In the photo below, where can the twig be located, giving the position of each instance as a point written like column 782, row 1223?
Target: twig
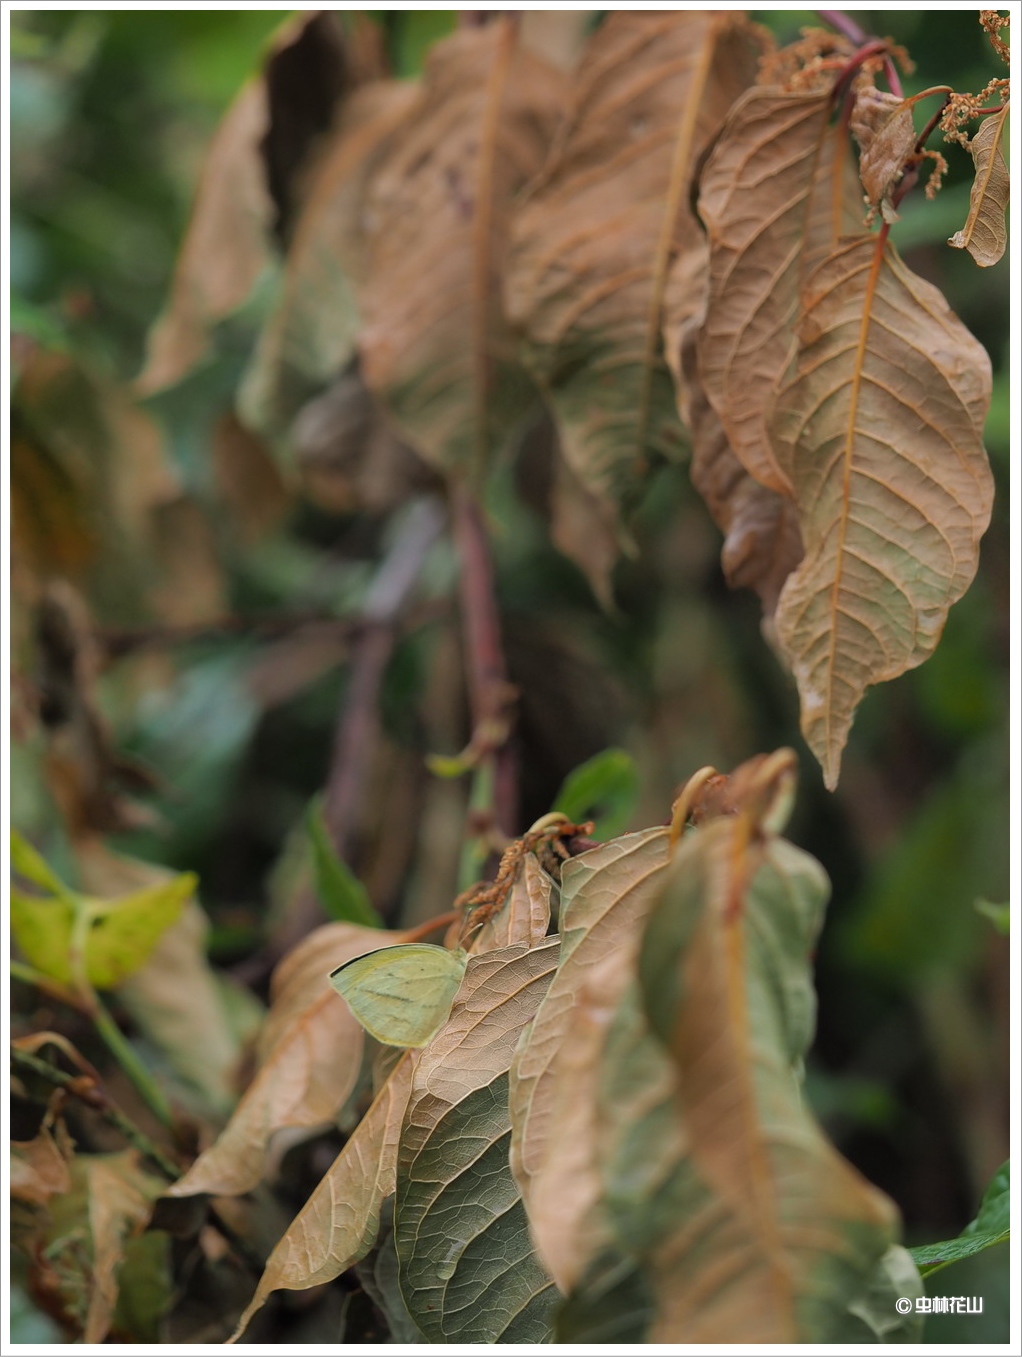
column 358, row 727
column 489, row 691
column 839, row 20
column 88, row 1091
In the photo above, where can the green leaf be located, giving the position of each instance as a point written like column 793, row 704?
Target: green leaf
column 119, row 935
column 612, row 1303
column 402, row 995
column 27, row 862
column 467, row 1267
column 999, row 915
column 605, row 788
column 339, row 889
column 873, row 1315
column 991, row 1226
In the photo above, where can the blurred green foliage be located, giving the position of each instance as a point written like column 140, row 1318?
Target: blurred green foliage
column 110, row 113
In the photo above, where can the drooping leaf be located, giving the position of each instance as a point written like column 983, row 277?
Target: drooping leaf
column 69, row 936
column 594, row 242
column 985, row 233
column 992, row 1225
column 894, row 1278
column 40, row 1167
column 338, row 888
column 467, row 1268
column 339, row 1223
column 311, row 333
column 309, row 1058
column 435, row 346
column 248, row 190
column 402, row 995
column 605, row 789
column 777, row 191
column 879, row 429
column 883, row 127
column 605, row 894
column 761, row 539
column 771, row 1229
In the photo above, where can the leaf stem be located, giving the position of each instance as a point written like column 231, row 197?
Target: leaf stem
column 85, row 1088
column 843, row 22
column 128, row 1059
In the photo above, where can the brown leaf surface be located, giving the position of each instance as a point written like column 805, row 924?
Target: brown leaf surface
column 525, row 914
column 310, row 1053
column 40, row 1167
column 883, row 127
column 225, row 249
column 761, row 538
column 985, row 233
column 311, row 333
column 593, row 244
column 252, row 179
column 435, row 347
column 880, row 430
column 725, row 978
column 776, row 193
column 605, row 895
column 338, row 1224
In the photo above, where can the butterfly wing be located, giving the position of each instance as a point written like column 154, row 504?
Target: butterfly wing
column 402, row 995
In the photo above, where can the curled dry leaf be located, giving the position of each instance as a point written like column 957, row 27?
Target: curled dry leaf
column 435, row 345
column 225, row 249
column 311, row 333
column 777, row 191
column 985, row 232
column 310, row 1055
column 525, row 915
column 249, row 187
column 593, row 244
column 883, row 127
column 339, row 1223
column 763, row 1229
column 761, row 538
column 605, row 894
column 40, row 1167
column 880, row 430
column 468, row 1270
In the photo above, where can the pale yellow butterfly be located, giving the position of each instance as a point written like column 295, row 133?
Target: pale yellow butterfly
column 402, row 995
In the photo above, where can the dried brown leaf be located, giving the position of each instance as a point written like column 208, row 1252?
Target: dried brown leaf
column 312, row 331
column 880, row 429
column 761, row 538
column 778, row 190
column 593, row 244
column 435, row 347
column 225, row 249
column 40, row 1167
column 252, row 179
column 525, row 915
column 310, row 1054
column 338, row 1224
column 605, row 895
column 776, row 1228
column 883, row 127
column 985, row 232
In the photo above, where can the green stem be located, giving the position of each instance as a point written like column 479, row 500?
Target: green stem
column 94, row 1097
column 128, row 1059
column 474, row 851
